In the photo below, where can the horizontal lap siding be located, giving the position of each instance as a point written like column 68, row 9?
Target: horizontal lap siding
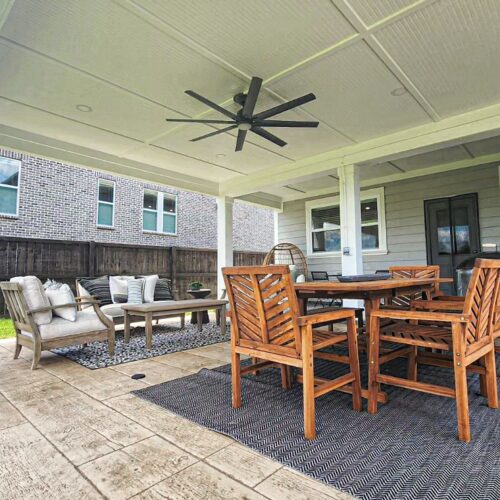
column 405, row 221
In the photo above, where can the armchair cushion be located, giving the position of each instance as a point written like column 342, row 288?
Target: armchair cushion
column 35, row 297
column 86, row 321
column 62, row 295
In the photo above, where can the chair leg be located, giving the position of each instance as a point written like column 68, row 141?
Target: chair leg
column 37, row 352
column 236, row 378
column 254, row 361
column 111, row 343
column 373, row 364
column 491, row 379
column 308, row 384
column 412, row 364
column 359, row 317
column 183, row 321
column 483, row 383
column 352, row 340
column 217, row 317
column 286, row 377
column 461, row 392
column 17, row 351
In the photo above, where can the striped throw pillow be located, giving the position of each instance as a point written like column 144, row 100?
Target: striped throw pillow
column 135, row 291
column 98, row 288
column 163, row 289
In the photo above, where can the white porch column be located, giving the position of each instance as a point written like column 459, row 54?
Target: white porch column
column 350, row 219
column 224, row 238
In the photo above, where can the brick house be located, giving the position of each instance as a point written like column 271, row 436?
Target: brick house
column 46, row 199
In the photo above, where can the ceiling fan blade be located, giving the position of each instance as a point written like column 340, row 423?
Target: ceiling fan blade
column 182, row 120
column 220, row 131
column 251, row 98
column 285, row 106
column 267, row 135
column 241, row 139
column 213, row 105
column 284, row 123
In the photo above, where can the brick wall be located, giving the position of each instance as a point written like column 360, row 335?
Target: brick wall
column 59, row 201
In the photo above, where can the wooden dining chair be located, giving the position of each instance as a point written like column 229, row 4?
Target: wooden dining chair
column 468, row 335
column 266, row 325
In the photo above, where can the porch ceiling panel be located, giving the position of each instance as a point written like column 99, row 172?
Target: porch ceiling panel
column 373, row 11
column 260, row 37
column 485, row 146
column 449, row 50
column 438, row 157
column 353, row 88
column 376, row 171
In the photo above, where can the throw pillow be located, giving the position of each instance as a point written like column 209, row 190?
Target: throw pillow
column 149, row 287
column 98, row 288
column 135, row 291
column 163, row 290
column 62, row 295
column 35, row 297
column 118, row 285
column 120, row 298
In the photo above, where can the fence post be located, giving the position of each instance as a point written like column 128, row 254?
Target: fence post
column 92, row 259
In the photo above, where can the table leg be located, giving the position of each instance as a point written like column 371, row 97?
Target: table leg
column 126, row 327
column 149, row 331
column 200, row 320
column 222, row 319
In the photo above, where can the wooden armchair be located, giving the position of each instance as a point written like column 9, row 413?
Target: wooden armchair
column 266, row 325
column 468, row 335
column 91, row 325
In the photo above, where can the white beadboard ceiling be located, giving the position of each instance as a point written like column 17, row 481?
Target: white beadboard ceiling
column 132, row 60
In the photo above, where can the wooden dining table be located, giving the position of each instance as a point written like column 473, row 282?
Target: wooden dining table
column 371, row 292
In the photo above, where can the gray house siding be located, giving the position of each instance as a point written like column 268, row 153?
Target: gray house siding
column 404, row 212
column 58, row 201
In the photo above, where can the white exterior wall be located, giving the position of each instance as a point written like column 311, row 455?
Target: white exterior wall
column 404, row 210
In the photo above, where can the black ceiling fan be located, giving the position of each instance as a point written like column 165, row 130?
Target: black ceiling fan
column 244, row 120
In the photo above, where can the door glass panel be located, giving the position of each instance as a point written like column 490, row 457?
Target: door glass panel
column 462, row 233
column 443, row 232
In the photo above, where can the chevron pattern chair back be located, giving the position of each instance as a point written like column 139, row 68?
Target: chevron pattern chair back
column 422, row 272
column 264, row 308
column 482, row 300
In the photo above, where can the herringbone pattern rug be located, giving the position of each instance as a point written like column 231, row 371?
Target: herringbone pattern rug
column 409, row 450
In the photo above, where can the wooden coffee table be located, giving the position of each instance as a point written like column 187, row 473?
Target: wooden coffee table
column 154, row 310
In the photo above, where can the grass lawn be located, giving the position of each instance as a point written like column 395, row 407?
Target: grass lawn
column 6, row 328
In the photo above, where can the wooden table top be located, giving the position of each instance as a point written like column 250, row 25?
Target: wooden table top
column 174, row 305
column 367, row 286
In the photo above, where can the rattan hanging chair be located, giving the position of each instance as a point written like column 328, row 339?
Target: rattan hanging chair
column 287, row 253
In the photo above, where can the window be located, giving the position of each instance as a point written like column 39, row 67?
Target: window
column 9, row 186
column 159, row 212
column 324, row 224
column 105, row 203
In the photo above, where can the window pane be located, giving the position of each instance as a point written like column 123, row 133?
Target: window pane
column 326, row 241
column 168, row 223
column 106, row 192
column 326, row 217
column 369, row 211
column 105, row 215
column 149, row 220
column 8, row 200
column 369, row 237
column 9, row 172
column 150, row 200
column 169, row 204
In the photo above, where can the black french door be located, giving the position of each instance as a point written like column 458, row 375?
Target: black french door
column 452, row 233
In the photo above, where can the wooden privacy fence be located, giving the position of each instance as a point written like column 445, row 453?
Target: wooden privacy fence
column 65, row 260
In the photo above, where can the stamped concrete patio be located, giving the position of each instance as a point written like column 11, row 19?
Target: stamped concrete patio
column 70, row 432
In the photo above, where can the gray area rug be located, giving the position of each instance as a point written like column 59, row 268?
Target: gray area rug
column 409, row 450
column 166, row 339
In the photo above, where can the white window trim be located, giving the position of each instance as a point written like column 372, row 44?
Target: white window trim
column 109, row 183
column 377, row 193
column 160, row 196
column 17, row 188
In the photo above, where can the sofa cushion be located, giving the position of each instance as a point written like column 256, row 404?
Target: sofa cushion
column 118, row 286
column 163, row 290
column 116, row 311
column 35, row 297
column 98, row 288
column 86, row 321
column 135, row 291
column 62, row 295
column 149, row 287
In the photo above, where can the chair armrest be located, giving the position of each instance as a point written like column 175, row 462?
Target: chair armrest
column 318, row 318
column 421, row 316
column 89, row 299
column 437, row 305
